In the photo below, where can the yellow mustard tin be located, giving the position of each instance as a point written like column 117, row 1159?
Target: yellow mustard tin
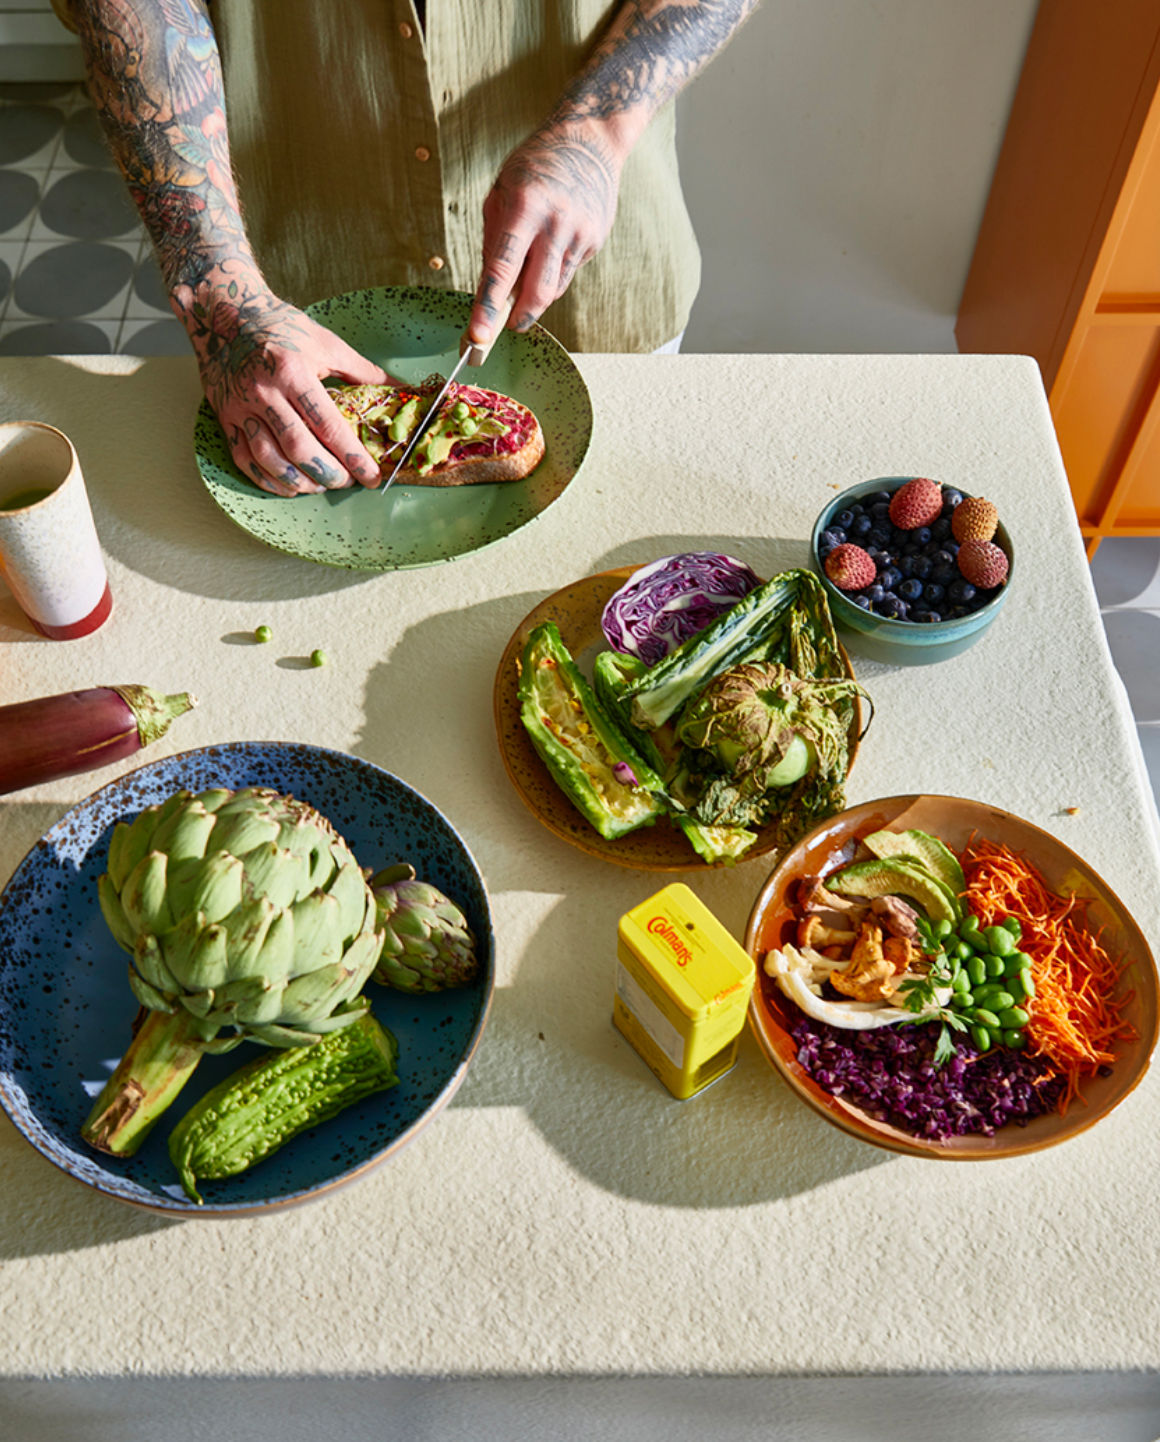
column 682, row 989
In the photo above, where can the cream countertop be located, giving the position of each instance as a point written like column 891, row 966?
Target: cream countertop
column 565, row 1215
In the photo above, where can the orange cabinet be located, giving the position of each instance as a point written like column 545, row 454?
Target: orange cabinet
column 1067, row 263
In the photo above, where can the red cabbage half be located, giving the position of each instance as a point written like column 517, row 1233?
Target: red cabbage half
column 663, row 604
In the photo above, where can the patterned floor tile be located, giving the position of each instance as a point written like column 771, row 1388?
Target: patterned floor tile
column 77, row 278
column 153, row 337
column 85, row 204
column 59, row 337
column 30, row 135
column 19, row 197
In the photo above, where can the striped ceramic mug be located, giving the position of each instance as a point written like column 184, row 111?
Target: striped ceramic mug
column 49, row 552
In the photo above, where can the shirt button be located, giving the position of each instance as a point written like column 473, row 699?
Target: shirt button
column 436, row 262
column 406, row 31
column 422, row 153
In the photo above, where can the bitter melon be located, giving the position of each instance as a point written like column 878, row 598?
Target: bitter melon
column 260, row 1107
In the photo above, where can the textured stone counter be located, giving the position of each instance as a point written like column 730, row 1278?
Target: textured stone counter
column 564, row 1215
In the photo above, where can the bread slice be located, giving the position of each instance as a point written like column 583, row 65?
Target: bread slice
column 480, row 435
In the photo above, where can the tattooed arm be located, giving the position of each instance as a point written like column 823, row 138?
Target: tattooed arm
column 554, row 201
column 155, row 78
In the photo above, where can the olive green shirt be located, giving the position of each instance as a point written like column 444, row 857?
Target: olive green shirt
column 364, row 145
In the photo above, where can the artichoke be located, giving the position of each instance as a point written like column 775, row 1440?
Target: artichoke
column 245, row 915
column 427, row 943
column 767, row 728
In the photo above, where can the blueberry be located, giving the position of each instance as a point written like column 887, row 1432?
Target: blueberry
column 920, row 535
column 951, row 548
column 906, row 565
column 934, row 591
column 878, row 536
column 833, row 536
column 856, row 509
column 892, row 607
column 941, row 529
column 899, row 537
column 861, row 526
column 874, row 593
column 920, row 567
column 879, row 504
column 910, row 590
column 960, row 591
column 843, row 520
column 863, row 601
column 924, row 616
column 890, row 577
column 951, row 499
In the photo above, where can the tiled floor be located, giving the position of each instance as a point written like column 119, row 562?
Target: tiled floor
column 77, row 276
column 76, row 270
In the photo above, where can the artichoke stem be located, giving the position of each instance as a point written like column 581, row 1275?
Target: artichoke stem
column 161, row 1057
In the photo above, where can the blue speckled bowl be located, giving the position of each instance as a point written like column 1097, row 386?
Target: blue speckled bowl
column 902, row 643
column 66, row 1008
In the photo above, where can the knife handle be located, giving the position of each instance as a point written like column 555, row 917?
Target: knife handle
column 476, row 351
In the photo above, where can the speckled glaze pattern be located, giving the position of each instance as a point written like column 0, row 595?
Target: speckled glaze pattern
column 66, row 1008
column 904, row 643
column 411, row 333
column 953, row 820
column 576, row 610
column 49, row 552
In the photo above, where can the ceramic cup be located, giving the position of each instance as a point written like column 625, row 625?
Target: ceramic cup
column 49, row 552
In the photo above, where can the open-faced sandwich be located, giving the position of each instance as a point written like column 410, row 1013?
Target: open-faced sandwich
column 479, row 435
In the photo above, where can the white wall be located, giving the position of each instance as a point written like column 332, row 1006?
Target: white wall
column 836, row 158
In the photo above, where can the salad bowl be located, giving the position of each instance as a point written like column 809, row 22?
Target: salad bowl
column 955, row 821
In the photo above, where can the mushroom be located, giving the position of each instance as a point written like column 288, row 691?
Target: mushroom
column 813, row 932
column 870, row 975
column 897, row 916
column 813, row 896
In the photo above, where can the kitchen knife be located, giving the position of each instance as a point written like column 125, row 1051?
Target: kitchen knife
column 471, row 353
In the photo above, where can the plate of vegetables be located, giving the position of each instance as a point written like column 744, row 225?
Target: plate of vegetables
column 213, row 1003
column 679, row 715
column 943, row 979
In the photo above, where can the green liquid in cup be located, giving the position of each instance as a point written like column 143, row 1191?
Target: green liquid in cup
column 25, row 498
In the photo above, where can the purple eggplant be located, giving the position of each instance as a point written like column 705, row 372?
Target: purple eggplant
column 81, row 730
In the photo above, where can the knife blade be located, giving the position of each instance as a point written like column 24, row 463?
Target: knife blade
column 471, row 353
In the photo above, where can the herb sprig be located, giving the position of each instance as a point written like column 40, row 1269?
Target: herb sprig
column 920, row 994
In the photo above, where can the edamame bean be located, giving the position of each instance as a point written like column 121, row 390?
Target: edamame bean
column 1013, row 925
column 1027, row 982
column 1015, row 1040
column 961, row 981
column 994, row 964
column 977, row 970
column 999, row 1000
column 985, row 1017
column 1013, row 1018
column 460, row 410
column 981, row 1037
column 1000, row 942
column 942, row 928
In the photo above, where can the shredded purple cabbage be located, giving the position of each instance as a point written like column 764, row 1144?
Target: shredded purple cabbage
column 889, row 1073
column 663, row 604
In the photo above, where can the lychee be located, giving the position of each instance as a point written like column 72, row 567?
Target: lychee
column 850, row 567
column 975, row 520
column 982, row 563
column 917, row 503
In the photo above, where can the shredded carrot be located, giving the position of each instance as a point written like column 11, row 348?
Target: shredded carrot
column 1075, row 1016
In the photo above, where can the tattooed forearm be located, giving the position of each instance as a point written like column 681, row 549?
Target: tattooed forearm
column 155, row 78
column 651, row 51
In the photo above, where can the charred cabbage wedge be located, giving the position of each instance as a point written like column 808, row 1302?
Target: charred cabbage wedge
column 589, row 758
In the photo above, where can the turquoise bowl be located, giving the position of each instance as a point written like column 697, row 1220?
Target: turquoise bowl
column 903, row 643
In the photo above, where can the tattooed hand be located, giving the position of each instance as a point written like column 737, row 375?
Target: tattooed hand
column 262, row 363
column 549, row 211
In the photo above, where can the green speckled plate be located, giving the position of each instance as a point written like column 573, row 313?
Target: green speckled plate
column 411, row 333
